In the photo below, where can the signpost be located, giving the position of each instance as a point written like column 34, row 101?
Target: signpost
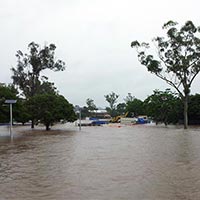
column 11, row 102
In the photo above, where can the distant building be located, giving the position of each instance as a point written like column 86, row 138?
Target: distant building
column 100, row 114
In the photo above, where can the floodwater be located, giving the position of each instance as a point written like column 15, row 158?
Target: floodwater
column 101, row 163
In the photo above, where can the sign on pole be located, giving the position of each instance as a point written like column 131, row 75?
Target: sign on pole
column 11, row 101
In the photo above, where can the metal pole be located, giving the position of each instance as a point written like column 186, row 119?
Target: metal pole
column 11, row 135
column 11, row 101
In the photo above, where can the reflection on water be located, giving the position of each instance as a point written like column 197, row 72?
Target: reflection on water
column 139, row 162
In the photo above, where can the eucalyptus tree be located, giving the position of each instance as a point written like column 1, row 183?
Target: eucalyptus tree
column 27, row 75
column 178, row 58
column 90, row 104
column 129, row 98
column 112, row 100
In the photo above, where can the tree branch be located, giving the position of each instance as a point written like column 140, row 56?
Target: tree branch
column 170, row 83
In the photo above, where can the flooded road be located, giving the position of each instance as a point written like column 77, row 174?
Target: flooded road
column 101, row 163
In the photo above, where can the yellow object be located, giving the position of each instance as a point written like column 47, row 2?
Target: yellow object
column 117, row 118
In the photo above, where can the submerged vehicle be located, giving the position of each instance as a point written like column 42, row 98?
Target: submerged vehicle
column 134, row 120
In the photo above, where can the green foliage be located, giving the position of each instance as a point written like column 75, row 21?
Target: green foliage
column 194, row 109
column 47, row 87
column 84, row 112
column 6, row 92
column 129, row 98
column 27, row 74
column 121, row 109
column 21, row 112
column 163, row 106
column 51, row 108
column 90, row 104
column 135, row 107
column 112, row 100
column 178, row 61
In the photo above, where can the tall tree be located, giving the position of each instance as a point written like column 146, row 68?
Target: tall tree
column 178, row 61
column 112, row 100
column 90, row 104
column 129, row 98
column 27, row 75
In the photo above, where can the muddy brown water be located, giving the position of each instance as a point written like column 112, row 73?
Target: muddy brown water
column 101, row 163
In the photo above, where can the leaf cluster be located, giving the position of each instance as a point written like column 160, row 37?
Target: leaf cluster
column 178, row 61
column 162, row 106
column 112, row 100
column 27, row 74
column 51, row 108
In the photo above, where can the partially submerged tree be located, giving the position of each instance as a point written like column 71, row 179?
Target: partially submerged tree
column 51, row 108
column 163, row 106
column 135, row 107
column 27, row 75
column 178, row 61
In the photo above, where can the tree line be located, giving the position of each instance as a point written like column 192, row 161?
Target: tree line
column 161, row 106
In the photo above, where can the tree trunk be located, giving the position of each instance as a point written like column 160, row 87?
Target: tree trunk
column 186, row 112
column 32, row 123
column 47, row 127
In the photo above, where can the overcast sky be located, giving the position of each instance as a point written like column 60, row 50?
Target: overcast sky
column 93, row 37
